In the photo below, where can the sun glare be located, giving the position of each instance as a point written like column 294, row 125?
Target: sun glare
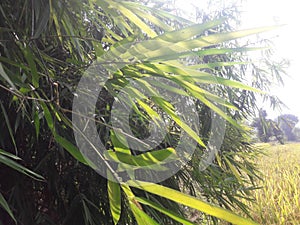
column 268, row 13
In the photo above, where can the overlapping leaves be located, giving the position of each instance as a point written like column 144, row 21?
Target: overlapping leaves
column 156, row 47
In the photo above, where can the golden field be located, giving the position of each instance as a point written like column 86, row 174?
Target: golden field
column 278, row 200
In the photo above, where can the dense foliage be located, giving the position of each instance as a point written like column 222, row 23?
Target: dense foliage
column 45, row 48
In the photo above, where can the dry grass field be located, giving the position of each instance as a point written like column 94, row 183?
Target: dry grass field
column 278, row 201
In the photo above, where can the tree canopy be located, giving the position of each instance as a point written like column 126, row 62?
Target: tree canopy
column 287, row 123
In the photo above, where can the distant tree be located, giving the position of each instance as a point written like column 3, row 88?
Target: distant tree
column 267, row 128
column 296, row 132
column 287, row 123
column 260, row 123
column 276, row 131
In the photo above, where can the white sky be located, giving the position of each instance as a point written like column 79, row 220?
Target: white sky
column 270, row 12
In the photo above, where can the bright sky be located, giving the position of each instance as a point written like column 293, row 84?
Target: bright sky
column 269, row 12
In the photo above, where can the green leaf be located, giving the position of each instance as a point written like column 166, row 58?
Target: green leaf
column 213, row 65
column 119, row 141
column 152, row 113
column 188, row 32
column 152, row 19
column 146, row 159
column 134, row 18
column 164, row 105
column 8, row 126
column 141, row 217
column 213, row 39
column 72, row 149
column 233, row 170
column 54, row 16
column 16, row 166
column 2, row 152
column 199, row 76
column 5, row 206
column 191, row 201
column 221, row 51
column 30, row 59
column 6, row 77
column 114, row 196
column 165, row 211
column 43, row 20
column 48, row 116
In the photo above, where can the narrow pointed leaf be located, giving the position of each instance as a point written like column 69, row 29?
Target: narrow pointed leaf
column 8, row 126
column 2, row 152
column 6, row 77
column 141, row 217
column 72, row 149
column 134, row 18
column 188, row 32
column 214, row 39
column 163, row 104
column 5, row 206
column 145, row 159
column 192, row 202
column 119, row 142
column 165, row 211
column 16, row 166
column 114, row 196
column 33, row 69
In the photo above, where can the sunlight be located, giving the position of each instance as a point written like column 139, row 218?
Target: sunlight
column 265, row 13
column 260, row 13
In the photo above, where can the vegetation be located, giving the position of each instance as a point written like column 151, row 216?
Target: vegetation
column 46, row 47
column 266, row 129
column 287, row 123
column 282, row 129
column 278, row 201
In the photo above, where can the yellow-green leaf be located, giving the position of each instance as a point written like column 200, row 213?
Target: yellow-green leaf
column 141, row 217
column 191, row 201
column 165, row 211
column 114, row 196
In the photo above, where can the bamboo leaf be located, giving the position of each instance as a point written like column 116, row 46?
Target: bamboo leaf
column 153, row 158
column 2, row 152
column 190, row 201
column 233, row 170
column 8, row 126
column 141, row 217
column 119, row 142
column 189, row 32
column 48, row 116
column 72, row 149
column 165, row 211
column 134, row 19
column 6, row 77
column 168, row 109
column 114, row 196
column 54, row 15
column 159, row 13
column 44, row 18
column 6, row 207
column 16, row 166
column 214, row 39
column 30, row 59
